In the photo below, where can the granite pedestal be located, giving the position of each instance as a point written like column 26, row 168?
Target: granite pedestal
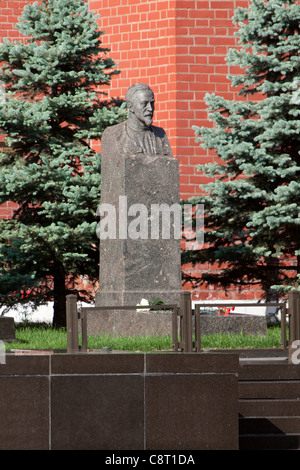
column 7, row 329
column 119, row 401
column 142, row 260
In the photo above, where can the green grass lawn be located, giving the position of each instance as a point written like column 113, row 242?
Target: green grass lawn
column 41, row 336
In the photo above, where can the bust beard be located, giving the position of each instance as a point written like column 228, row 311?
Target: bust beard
column 146, row 140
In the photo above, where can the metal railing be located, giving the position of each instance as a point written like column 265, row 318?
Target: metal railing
column 294, row 315
column 182, row 330
column 73, row 315
column 187, row 327
column 186, row 322
column 282, row 306
column 290, row 314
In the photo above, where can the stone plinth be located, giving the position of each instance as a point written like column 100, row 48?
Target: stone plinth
column 159, row 322
column 234, row 324
column 119, row 401
column 128, row 322
column 139, row 261
column 7, row 328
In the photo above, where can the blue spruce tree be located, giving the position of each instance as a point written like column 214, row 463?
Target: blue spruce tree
column 53, row 108
column 252, row 212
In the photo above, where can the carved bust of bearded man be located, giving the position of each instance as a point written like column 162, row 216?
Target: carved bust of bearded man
column 137, row 137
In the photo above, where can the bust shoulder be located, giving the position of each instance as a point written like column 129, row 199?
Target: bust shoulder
column 115, row 130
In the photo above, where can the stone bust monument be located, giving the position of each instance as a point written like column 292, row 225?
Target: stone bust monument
column 137, row 137
column 138, row 170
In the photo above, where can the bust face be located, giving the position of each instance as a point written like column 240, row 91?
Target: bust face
column 142, row 107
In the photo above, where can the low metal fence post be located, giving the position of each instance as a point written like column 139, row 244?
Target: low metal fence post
column 283, row 326
column 294, row 312
column 72, row 323
column 175, row 328
column 83, row 318
column 197, row 329
column 187, row 326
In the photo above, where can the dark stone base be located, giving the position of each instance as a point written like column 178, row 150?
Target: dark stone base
column 128, row 322
column 122, row 401
column 234, row 324
column 159, row 322
column 7, row 329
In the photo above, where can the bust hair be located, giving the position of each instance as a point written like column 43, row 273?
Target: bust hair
column 133, row 89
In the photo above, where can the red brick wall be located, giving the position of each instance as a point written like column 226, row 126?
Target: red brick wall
column 178, row 47
column 9, row 13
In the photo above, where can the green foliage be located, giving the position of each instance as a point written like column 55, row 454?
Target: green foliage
column 252, row 214
column 44, row 337
column 53, row 107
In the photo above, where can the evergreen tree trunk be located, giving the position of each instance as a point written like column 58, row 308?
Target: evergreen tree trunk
column 59, row 293
column 272, row 277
